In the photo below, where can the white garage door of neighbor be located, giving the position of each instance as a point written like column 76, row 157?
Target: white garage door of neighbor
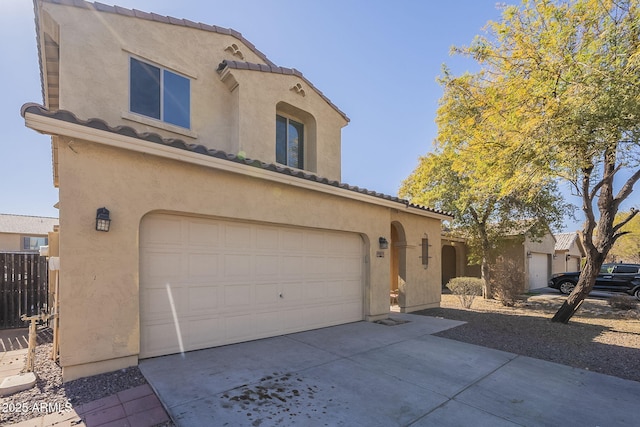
column 205, row 283
column 538, row 271
column 573, row 264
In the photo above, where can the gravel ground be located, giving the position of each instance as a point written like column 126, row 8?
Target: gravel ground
column 50, row 391
column 597, row 338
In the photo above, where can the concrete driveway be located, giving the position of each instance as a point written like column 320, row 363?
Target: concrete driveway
column 367, row 374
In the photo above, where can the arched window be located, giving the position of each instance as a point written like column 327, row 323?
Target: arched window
column 289, row 142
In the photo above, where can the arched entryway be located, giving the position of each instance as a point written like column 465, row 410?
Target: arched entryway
column 449, row 263
column 398, row 264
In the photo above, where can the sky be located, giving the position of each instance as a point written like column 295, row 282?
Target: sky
column 377, row 60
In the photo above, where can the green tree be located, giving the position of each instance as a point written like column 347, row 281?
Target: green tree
column 559, row 93
column 627, row 247
column 485, row 211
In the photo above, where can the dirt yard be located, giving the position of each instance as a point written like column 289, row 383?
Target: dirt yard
column 598, row 338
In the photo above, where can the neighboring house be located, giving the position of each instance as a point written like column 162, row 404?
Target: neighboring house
column 568, row 252
column 529, row 258
column 21, row 233
column 221, row 174
column 455, row 259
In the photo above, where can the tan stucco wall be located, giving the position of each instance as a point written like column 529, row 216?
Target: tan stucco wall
column 10, row 242
column 99, row 301
column 560, row 262
column 422, row 287
column 546, row 245
column 94, row 82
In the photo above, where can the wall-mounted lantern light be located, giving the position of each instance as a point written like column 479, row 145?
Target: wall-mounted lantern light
column 103, row 222
column 568, row 257
column 384, row 244
column 529, row 254
column 425, row 251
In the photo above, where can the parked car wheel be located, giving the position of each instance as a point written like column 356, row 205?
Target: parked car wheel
column 566, row 286
column 637, row 294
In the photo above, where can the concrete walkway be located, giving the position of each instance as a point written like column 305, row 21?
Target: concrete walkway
column 366, row 374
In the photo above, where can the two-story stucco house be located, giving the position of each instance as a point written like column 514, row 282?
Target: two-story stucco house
column 221, row 174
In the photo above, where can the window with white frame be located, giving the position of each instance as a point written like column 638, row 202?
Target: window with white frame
column 289, row 142
column 159, row 93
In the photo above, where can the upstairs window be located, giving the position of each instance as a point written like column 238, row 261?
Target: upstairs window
column 289, row 142
column 159, row 93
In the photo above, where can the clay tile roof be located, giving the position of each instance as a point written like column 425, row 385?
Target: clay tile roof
column 68, row 116
column 159, row 18
column 240, row 65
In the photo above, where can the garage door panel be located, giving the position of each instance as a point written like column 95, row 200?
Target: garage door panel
column 202, row 233
column 204, row 298
column 292, row 240
column 265, row 265
column 314, row 242
column 238, row 296
column 292, row 292
column 229, row 281
column 163, row 265
column 267, row 324
column 292, row 266
column 315, row 265
column 162, row 230
column 237, row 236
column 158, row 339
column 239, row 328
column 351, row 266
column 267, row 239
column 204, row 332
column 315, row 290
column 237, row 265
column 267, row 294
column 203, row 265
column 351, row 288
column 161, row 302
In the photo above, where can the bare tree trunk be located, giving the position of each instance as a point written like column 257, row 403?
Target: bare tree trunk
column 485, row 269
column 485, row 272
column 580, row 292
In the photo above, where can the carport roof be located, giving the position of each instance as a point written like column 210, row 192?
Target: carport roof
column 99, row 124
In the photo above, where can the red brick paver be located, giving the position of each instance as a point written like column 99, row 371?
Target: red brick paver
column 136, row 407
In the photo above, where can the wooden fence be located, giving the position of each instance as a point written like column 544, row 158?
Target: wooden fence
column 24, row 287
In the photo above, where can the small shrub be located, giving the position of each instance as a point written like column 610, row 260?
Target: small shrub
column 466, row 289
column 622, row 302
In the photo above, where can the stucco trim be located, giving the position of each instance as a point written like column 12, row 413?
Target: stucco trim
column 226, row 65
column 67, row 124
column 138, row 118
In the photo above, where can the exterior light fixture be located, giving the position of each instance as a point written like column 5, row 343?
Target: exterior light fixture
column 103, row 222
column 529, row 255
column 568, row 257
column 425, row 251
column 383, row 243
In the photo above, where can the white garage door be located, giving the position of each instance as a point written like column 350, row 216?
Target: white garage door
column 205, row 283
column 538, row 270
